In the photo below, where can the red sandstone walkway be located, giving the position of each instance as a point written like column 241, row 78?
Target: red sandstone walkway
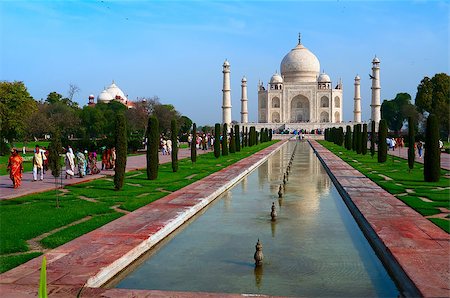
column 29, row 187
column 92, row 259
column 403, row 153
column 421, row 248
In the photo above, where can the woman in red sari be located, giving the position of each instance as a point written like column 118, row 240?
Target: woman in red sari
column 15, row 168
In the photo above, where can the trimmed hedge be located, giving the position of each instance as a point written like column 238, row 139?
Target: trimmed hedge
column 121, row 151
column 217, row 140
column 152, row 148
column 194, row 143
column 225, row 140
column 173, row 137
column 411, row 143
column 364, row 140
column 382, row 145
column 432, row 155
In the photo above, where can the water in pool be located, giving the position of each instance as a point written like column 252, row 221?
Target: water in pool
column 314, row 248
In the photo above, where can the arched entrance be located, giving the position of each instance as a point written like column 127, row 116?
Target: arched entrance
column 299, row 109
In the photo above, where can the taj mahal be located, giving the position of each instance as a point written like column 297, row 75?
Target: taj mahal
column 300, row 96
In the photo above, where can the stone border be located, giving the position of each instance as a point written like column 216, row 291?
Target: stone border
column 413, row 249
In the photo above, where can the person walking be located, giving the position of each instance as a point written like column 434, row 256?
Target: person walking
column 81, row 163
column 15, row 168
column 419, row 149
column 70, row 164
column 38, row 164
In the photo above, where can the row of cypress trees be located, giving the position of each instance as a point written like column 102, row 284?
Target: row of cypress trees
column 357, row 141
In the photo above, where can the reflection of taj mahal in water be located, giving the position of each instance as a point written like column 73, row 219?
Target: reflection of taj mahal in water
column 300, row 96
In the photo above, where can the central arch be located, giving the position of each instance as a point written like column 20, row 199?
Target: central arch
column 299, row 109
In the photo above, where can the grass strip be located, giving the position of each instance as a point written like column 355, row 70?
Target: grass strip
column 30, row 216
column 9, row 262
column 407, row 185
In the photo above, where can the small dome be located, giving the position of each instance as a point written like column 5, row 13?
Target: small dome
column 376, row 60
column 357, row 78
column 115, row 91
column 226, row 63
column 323, row 78
column 276, row 79
column 244, row 79
column 300, row 65
column 91, row 96
column 104, row 97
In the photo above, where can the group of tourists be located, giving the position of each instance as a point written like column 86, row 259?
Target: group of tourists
column 109, row 157
column 204, row 141
column 394, row 143
column 85, row 162
column 165, row 145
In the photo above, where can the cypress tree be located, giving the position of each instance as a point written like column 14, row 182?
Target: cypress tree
column 354, row 138
column 256, row 137
column 194, row 143
column 382, row 145
column 364, row 140
column 411, row 142
column 432, row 155
column 121, row 151
column 358, row 138
column 372, row 139
column 270, row 134
column 261, row 135
column 237, row 138
column 173, row 136
column 247, row 143
column 217, row 140
column 232, row 141
column 243, row 137
column 225, row 140
column 252, row 136
column 152, row 148
column 348, row 137
column 54, row 160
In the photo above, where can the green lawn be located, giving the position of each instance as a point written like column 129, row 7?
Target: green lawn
column 408, row 186
column 30, row 216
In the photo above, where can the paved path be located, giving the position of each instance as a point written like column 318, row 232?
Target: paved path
column 416, row 244
column 403, row 153
column 92, row 259
column 29, row 187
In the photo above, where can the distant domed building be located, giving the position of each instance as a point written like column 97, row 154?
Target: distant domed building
column 112, row 92
column 300, row 94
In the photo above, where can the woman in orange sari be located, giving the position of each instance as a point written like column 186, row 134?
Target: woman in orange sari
column 15, row 168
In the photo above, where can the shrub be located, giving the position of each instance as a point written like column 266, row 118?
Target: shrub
column 232, row 141
column 411, row 142
column 364, row 140
column 121, row 151
column 225, row 140
column 173, row 136
column 217, row 140
column 372, row 139
column 152, row 148
column 432, row 155
column 194, row 143
column 237, row 138
column 382, row 145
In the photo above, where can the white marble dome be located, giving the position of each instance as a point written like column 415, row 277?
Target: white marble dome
column 115, row 91
column 323, row 78
column 104, row 97
column 300, row 65
column 276, row 79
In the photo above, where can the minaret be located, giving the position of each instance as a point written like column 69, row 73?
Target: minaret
column 376, row 114
column 226, row 105
column 244, row 111
column 357, row 104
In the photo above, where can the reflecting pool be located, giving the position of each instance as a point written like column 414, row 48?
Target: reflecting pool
column 314, row 248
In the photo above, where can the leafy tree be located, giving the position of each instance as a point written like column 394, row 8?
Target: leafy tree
column 16, row 107
column 433, row 96
column 165, row 113
column 411, row 142
column 372, row 139
column 237, row 137
column 185, row 124
column 432, row 157
column 121, row 151
column 364, row 140
column 225, row 140
column 194, row 143
column 217, row 140
column 54, row 160
column 232, row 148
column 173, row 136
column 152, row 148
column 382, row 145
column 395, row 111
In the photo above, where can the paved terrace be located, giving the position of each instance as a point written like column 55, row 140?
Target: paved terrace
column 403, row 153
column 92, row 259
column 403, row 235
column 29, row 187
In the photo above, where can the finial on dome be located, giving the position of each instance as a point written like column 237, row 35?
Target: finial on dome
column 299, row 38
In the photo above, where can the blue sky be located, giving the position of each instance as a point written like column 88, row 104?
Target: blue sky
column 175, row 49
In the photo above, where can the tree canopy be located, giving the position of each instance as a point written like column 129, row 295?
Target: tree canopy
column 397, row 110
column 433, row 96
